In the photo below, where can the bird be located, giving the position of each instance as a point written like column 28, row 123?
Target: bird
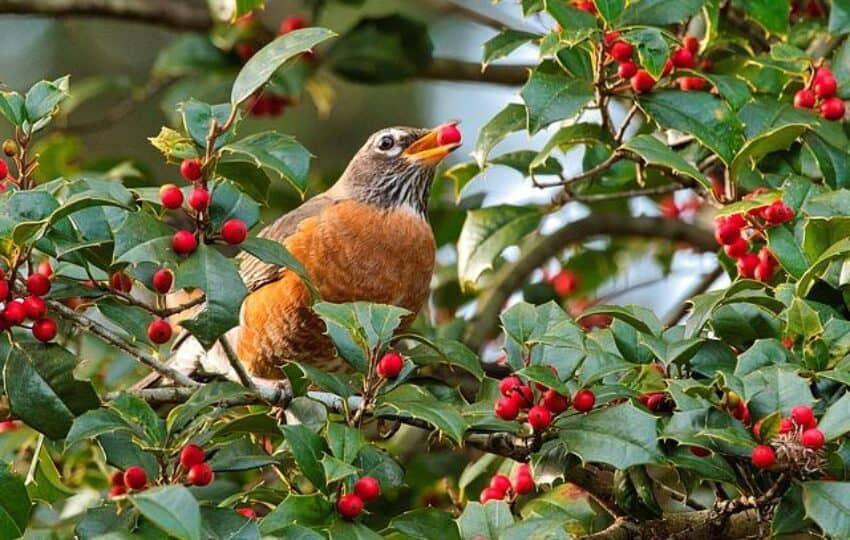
column 366, row 239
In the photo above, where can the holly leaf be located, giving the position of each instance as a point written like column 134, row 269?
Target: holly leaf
column 551, row 95
column 277, row 152
column 171, row 509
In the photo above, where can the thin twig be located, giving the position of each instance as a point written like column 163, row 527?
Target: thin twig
column 593, row 171
column 645, row 192
column 618, row 138
column 237, row 366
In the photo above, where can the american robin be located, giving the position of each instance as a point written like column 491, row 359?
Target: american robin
column 367, row 238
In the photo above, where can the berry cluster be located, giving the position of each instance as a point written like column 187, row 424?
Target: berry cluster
column 366, row 489
column 797, row 437
column 518, row 397
column 820, row 93
column 640, row 80
column 193, row 469
column 18, row 306
column 502, row 488
column 741, row 234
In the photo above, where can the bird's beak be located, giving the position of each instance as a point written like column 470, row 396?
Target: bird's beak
column 426, row 149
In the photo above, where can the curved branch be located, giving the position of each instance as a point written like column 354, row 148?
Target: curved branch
column 180, row 15
column 512, row 276
column 459, row 70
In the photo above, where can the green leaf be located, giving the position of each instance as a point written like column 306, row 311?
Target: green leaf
column 449, row 352
column 700, row 114
column 426, row 524
column 787, row 251
column 335, row 383
column 659, row 12
column 485, row 235
column 568, row 16
column 174, row 145
column 837, row 250
column 343, row 530
column 485, row 520
column 712, row 467
column 511, row 118
column 259, row 69
column 208, row 269
column 755, row 149
column 94, row 423
column 42, row 390
column 357, row 329
column 172, row 509
column 143, row 238
column 828, row 504
column 610, row 9
column 14, row 504
column 13, row 107
column 190, row 54
column 207, row 395
column 225, row 524
column 345, row 442
column 504, row 44
column 776, row 388
column 803, row 320
column 45, row 484
column 250, row 179
column 415, row 402
column 551, row 95
column 572, row 507
column 652, row 49
column 382, row 50
column 44, row 97
column 278, row 152
column 832, row 160
column 198, row 118
column 566, row 138
column 308, row 510
column 772, row 15
column 274, row 253
column 836, row 420
column 521, row 160
column 640, row 318
column 621, row 436
column 655, row 152
column 307, row 448
column 839, row 17
column 536, row 529
column 228, row 202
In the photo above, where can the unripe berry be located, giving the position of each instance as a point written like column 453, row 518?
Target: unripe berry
column 642, row 82
column 825, row 87
column 500, row 483
column 159, row 331
column 621, row 51
column 804, row 99
column 38, row 285
column 813, row 438
column 184, row 242
column 390, row 365
column 490, row 494
column 555, row 402
column 506, row 408
column 763, row 456
column 162, row 280
column 804, row 416
column 747, row 265
column 565, row 283
column 367, row 488
column 539, row 417
column 10, row 147
column 199, row 199
column 121, row 282
column 14, row 313
column 583, row 400
column 738, row 248
column 35, row 307
column 691, row 43
column 293, row 22
column 832, row 108
column 449, row 134
column 234, row 231
column 683, row 58
column 190, row 169
column 627, row 69
column 349, row 506
column 200, row 475
column 192, row 455
column 507, row 385
column 135, row 477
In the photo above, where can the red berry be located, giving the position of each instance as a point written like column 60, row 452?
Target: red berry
column 14, row 313
column 764, row 272
column 117, row 491
column 825, row 87
column 654, row 401
column 500, row 483
column 786, row 425
column 766, row 256
column 367, row 488
column 683, row 58
column 159, row 331
column 35, row 307
column 234, row 231
column 507, row 385
column 668, row 207
column 742, row 413
column 778, row 213
column 349, row 506
column 199, row 199
column 583, row 400
column 804, row 99
column 490, row 494
column 737, row 220
column 390, row 365
column 747, row 265
column 192, row 455
column 621, row 51
column 184, row 242
column 539, row 417
column 699, row 451
column 245, row 51
column 738, row 248
column 135, row 477
column 293, row 22
column 247, row 512
column 813, row 438
column 121, row 282
column 821, row 73
column 691, row 43
column 190, row 169
column 117, row 479
column 668, row 68
column 688, row 84
column 763, row 456
column 45, row 269
column 38, row 284
column 200, row 475
column 587, row 6
column 642, row 82
column 804, row 416
column 449, row 134
column 726, row 233
column 4, row 169
column 170, row 196
column 162, row 280
column 611, row 37
column 523, row 482
column 506, row 408
column 627, row 69
column 832, row 108
column 555, row 402
column 523, row 396
column 565, row 283
column 4, row 290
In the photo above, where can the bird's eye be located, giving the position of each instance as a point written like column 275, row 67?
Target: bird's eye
column 386, row 143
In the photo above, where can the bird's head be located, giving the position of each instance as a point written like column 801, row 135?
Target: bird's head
column 395, row 168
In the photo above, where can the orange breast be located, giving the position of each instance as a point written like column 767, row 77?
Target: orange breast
column 352, row 252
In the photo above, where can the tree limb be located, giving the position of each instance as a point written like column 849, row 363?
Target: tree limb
column 179, row 15
column 459, row 70
column 512, row 276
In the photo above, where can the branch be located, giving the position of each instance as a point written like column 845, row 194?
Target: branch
column 179, row 15
column 699, row 525
column 512, row 276
column 458, row 70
